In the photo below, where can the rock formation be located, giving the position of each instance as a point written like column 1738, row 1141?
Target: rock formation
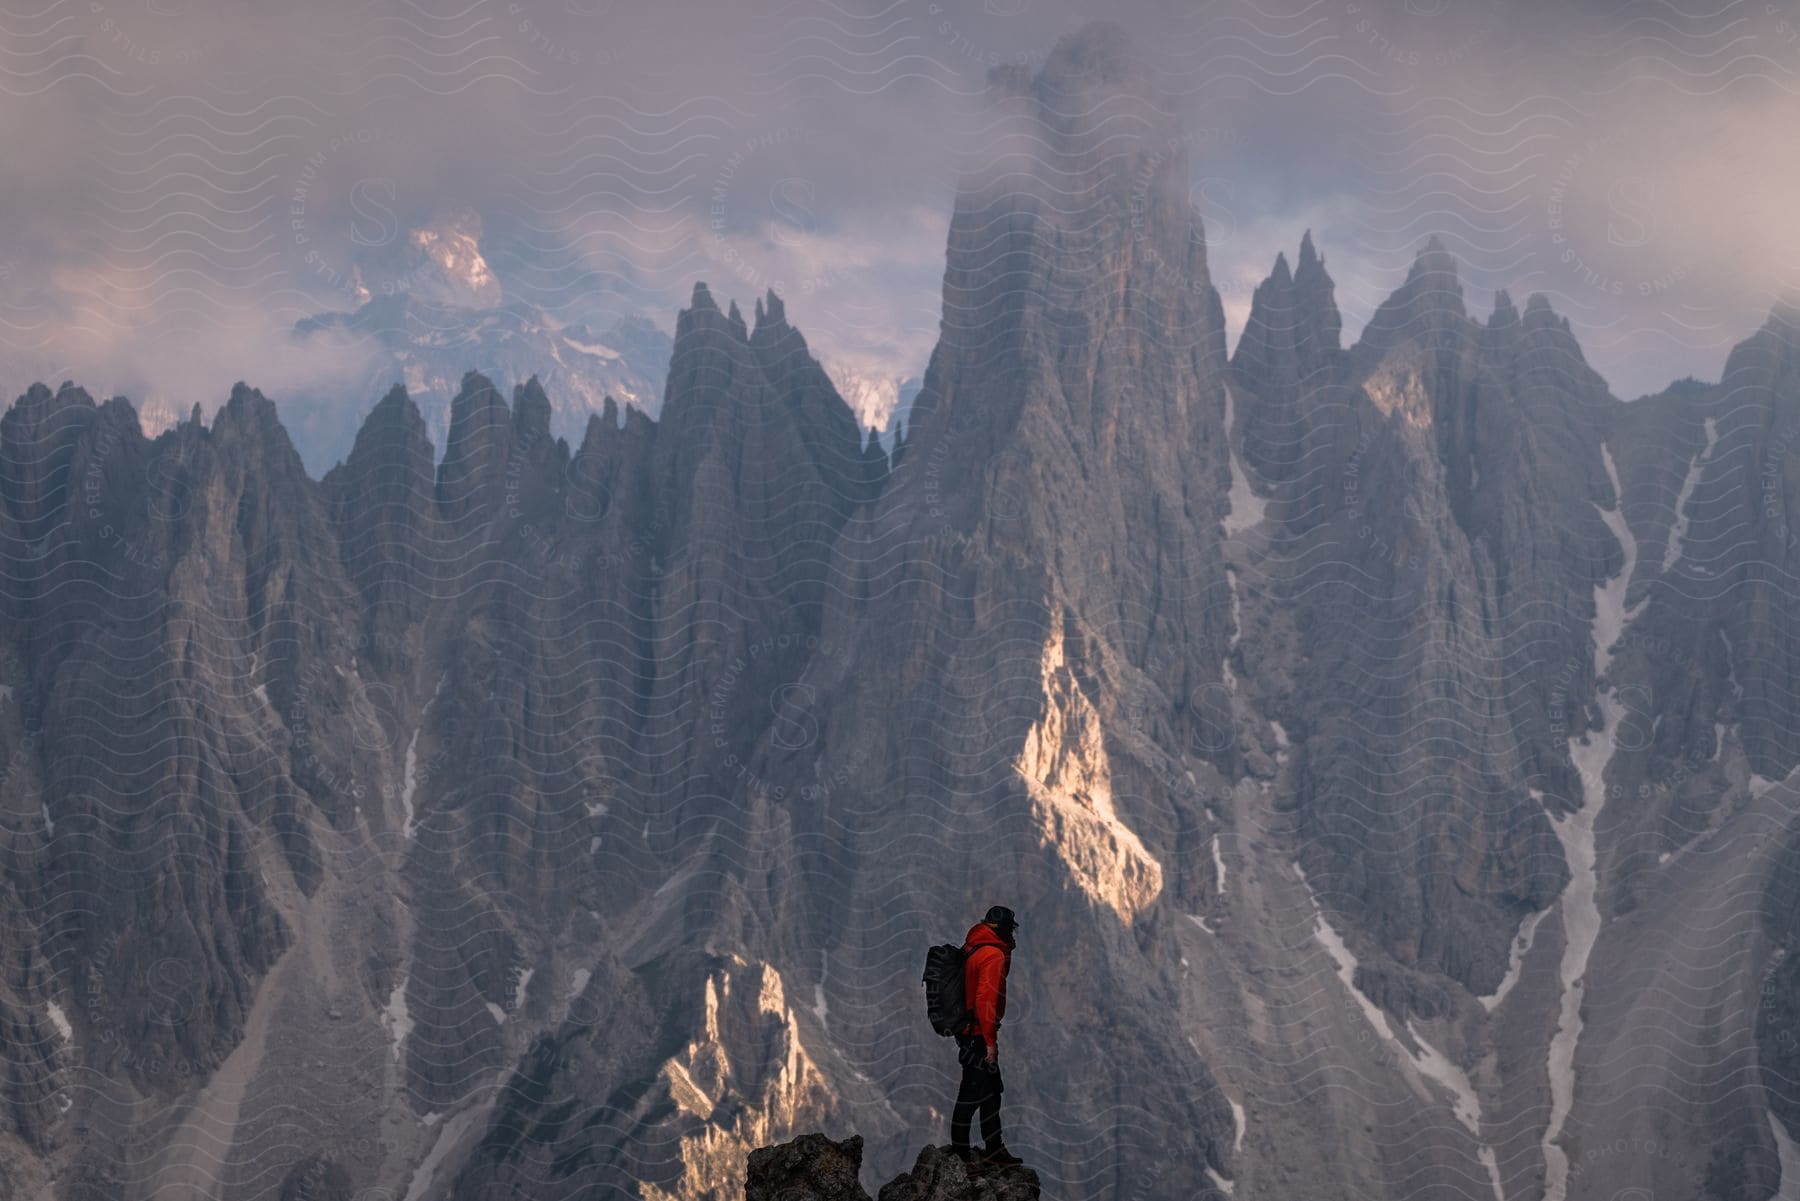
column 1387, row 748
column 814, row 1168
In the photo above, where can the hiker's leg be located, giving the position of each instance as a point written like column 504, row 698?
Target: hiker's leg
column 963, row 1112
column 990, row 1121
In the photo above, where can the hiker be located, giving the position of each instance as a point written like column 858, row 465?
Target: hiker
column 987, row 958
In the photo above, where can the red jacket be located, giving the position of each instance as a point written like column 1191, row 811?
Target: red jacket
column 987, row 960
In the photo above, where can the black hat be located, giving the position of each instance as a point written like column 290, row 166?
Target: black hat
column 1002, row 919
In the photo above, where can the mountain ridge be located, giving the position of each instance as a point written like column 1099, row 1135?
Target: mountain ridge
column 1364, row 732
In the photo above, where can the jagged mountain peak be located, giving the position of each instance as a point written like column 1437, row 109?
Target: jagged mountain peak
column 1428, row 306
column 243, row 396
column 1540, row 314
column 595, row 433
column 612, row 423
column 1095, row 85
column 1099, row 52
column 721, row 379
column 67, row 392
column 397, row 404
column 38, row 436
column 480, row 430
column 1293, row 324
column 781, row 347
column 1051, row 198
column 37, row 402
column 1281, row 276
column 252, row 416
column 394, row 426
column 1436, row 263
column 1309, row 256
column 531, row 409
column 704, row 315
column 478, row 389
column 1431, row 281
column 771, row 312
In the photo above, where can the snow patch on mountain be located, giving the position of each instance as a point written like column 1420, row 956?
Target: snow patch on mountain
column 1672, row 552
column 874, row 393
column 1521, row 947
column 395, row 1019
column 1591, row 753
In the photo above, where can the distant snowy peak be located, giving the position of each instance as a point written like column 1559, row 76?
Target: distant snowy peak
column 874, row 395
column 156, row 415
column 457, row 255
column 440, row 262
column 429, row 346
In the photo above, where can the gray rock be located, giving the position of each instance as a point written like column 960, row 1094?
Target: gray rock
column 809, row 1168
column 814, row 1168
column 941, row 1176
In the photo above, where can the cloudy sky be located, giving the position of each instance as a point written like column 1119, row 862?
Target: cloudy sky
column 185, row 178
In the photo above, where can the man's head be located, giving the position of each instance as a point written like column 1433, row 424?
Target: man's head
column 1002, row 920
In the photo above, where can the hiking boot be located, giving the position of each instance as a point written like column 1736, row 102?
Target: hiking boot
column 1000, row 1157
column 968, row 1155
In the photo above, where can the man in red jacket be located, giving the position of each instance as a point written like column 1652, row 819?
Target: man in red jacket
column 987, row 957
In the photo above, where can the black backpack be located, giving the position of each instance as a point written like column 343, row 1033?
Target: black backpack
column 944, row 1002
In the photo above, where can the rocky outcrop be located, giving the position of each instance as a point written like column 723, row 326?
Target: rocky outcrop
column 815, row 1168
column 811, row 1166
column 937, row 1175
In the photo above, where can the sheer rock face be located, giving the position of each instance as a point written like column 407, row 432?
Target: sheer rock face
column 549, row 817
column 1435, row 497
column 363, row 751
column 1039, row 594
column 1288, row 354
column 380, row 502
column 1704, row 715
column 1521, row 593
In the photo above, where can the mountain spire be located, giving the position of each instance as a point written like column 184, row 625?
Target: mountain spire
column 1309, row 257
column 1293, row 323
column 1428, row 305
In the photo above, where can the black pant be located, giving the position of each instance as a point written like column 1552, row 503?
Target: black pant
column 980, row 1090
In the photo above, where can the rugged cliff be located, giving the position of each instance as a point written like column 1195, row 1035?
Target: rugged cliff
column 1385, row 747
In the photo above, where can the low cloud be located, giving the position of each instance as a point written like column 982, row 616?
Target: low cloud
column 164, row 150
